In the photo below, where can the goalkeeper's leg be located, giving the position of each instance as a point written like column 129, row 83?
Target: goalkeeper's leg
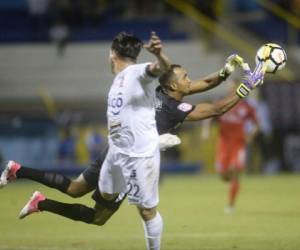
column 98, row 215
column 84, row 183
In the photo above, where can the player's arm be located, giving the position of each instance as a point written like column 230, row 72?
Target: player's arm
column 216, row 78
column 207, row 110
column 206, row 83
column 163, row 63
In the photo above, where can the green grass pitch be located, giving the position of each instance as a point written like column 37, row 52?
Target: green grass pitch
column 267, row 217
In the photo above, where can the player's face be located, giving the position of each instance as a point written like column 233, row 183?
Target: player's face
column 183, row 81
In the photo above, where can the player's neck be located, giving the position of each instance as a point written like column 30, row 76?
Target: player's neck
column 121, row 65
column 176, row 95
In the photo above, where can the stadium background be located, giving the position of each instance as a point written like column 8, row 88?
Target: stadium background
column 54, row 78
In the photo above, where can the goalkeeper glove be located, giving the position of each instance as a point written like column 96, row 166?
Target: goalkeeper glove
column 250, row 81
column 168, row 141
column 231, row 62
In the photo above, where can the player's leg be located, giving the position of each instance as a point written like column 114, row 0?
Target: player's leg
column 153, row 227
column 74, row 188
column 83, row 184
column 38, row 203
column 143, row 180
column 113, row 187
column 225, row 175
column 78, row 212
column 237, row 164
column 234, row 188
column 15, row 170
column 223, row 159
column 107, row 203
column 230, row 176
column 88, row 180
column 223, row 168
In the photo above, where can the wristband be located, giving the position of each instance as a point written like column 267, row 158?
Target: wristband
column 242, row 90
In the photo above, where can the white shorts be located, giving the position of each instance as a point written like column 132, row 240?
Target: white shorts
column 138, row 176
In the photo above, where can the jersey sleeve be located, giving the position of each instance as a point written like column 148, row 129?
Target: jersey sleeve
column 181, row 110
column 144, row 74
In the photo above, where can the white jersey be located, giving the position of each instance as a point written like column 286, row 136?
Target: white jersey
column 131, row 112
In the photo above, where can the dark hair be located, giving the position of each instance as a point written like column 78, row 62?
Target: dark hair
column 127, row 45
column 166, row 78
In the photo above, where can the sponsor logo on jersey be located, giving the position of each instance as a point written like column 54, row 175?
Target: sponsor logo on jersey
column 185, row 107
column 116, row 104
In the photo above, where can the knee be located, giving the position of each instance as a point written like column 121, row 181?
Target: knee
column 147, row 213
column 225, row 176
column 109, row 197
column 102, row 215
column 99, row 222
column 74, row 190
column 235, row 174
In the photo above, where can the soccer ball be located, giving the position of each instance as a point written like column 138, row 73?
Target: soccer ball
column 273, row 55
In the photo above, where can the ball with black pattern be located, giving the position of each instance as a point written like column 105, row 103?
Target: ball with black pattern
column 272, row 54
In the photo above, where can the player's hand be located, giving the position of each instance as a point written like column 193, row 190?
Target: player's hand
column 231, row 63
column 251, row 80
column 254, row 79
column 154, row 45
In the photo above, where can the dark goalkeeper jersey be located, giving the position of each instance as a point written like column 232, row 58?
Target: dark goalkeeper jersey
column 170, row 113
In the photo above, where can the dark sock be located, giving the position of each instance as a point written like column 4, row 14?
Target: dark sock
column 76, row 212
column 52, row 180
column 110, row 204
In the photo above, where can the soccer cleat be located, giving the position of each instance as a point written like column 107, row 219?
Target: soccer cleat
column 9, row 173
column 32, row 205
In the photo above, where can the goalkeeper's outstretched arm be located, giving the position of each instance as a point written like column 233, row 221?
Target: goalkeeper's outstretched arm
column 209, row 110
column 216, row 78
column 206, row 83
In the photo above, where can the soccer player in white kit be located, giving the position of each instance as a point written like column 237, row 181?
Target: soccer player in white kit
column 133, row 159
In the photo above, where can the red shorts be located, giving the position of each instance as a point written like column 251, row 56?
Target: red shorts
column 230, row 156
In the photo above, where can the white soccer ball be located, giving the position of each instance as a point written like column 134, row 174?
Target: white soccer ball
column 273, row 55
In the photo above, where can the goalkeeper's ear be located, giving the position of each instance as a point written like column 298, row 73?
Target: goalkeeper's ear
column 173, row 86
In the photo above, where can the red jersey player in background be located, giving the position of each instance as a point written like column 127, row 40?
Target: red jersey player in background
column 231, row 146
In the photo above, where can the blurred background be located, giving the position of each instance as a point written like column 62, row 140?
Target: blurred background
column 54, row 76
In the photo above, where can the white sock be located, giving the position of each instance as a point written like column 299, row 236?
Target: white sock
column 153, row 230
